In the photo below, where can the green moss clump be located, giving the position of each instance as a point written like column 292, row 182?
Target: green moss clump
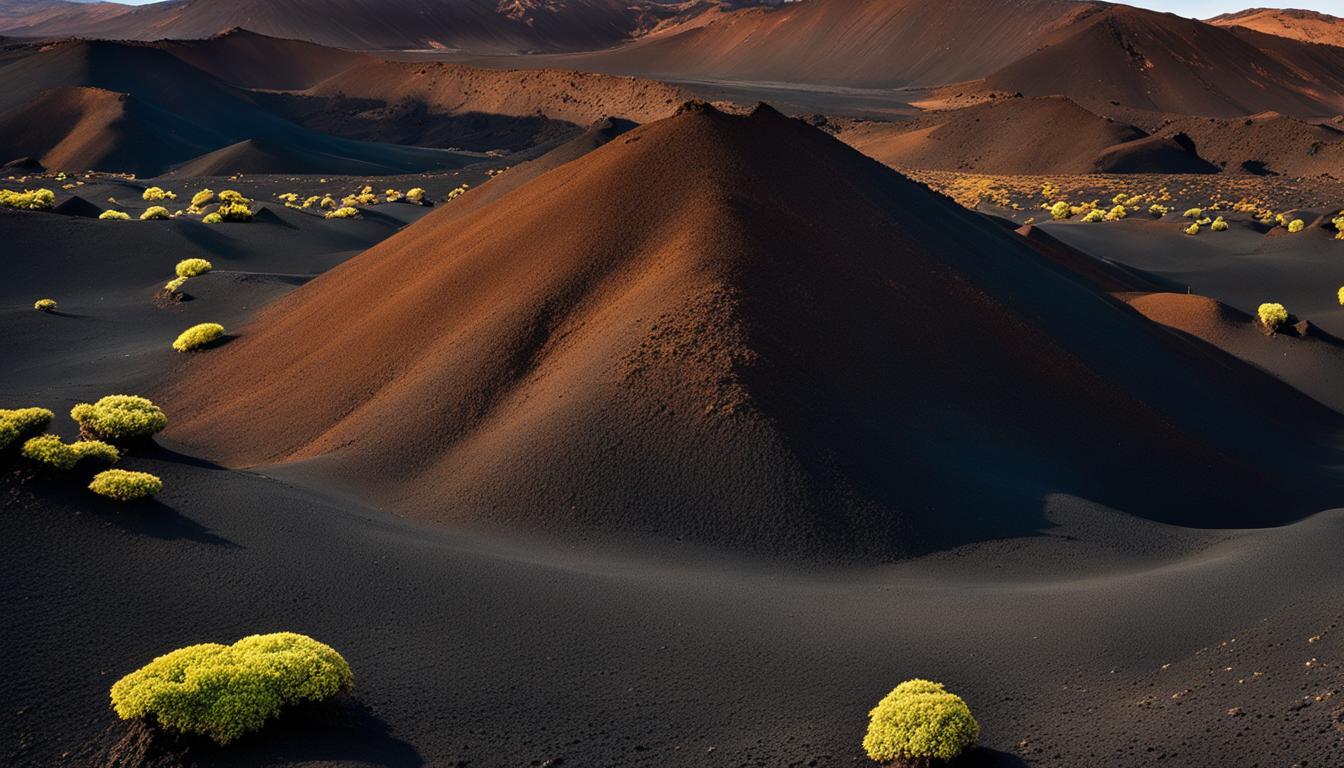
column 917, row 723
column 225, row 691
column 198, row 336
column 118, row 418
column 45, row 305
column 193, row 267
column 111, row 215
column 28, row 199
column 1272, row 316
column 121, row 485
column 155, row 213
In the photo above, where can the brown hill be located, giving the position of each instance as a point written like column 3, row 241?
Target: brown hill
column 133, row 107
column 1265, row 143
column 1174, row 153
column 449, row 105
column 1162, row 62
column 504, row 26
column 249, row 60
column 740, row 331
column 1049, row 134
column 853, row 42
column 1307, row 26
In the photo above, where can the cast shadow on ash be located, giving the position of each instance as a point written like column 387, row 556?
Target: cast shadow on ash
column 983, row 757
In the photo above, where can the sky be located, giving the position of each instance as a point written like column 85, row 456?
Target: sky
column 1200, row 9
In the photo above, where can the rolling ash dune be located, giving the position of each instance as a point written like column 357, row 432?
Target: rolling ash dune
column 740, row 331
column 250, row 60
column 1166, row 63
column 1266, row 143
column 1307, row 26
column 81, row 105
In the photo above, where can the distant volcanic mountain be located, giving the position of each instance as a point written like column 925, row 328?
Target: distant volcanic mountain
column 740, row 331
column 1307, row 26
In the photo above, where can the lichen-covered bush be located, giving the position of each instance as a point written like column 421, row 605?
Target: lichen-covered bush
column 155, row 213
column 343, row 213
column 1296, row 225
column 122, row 485
column 919, row 722
column 1272, row 316
column 193, row 267
column 29, row 199
column 45, row 305
column 111, row 215
column 118, row 418
column 198, row 336
column 225, row 691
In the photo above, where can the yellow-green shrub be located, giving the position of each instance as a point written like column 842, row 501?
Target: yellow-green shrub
column 45, row 305
column 1117, row 213
column 392, row 195
column 1194, row 213
column 233, row 211
column 198, row 336
column 1272, row 316
column 20, row 423
column 328, row 202
column 231, row 196
column 119, row 417
column 192, row 267
column 50, row 451
column 1296, row 225
column 1059, row 211
column 111, row 215
column 1158, row 211
column 212, row 218
column 1219, row 225
column 1094, row 216
column 204, row 197
column 1341, row 297
column 919, row 722
column 154, row 213
column 121, row 485
column 30, row 199
column 311, row 201
column 1193, row 229
column 154, row 194
column 225, row 691
column 343, row 213
column 415, row 195
column 175, row 285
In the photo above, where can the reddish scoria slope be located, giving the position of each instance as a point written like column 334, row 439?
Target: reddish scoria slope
column 741, row 331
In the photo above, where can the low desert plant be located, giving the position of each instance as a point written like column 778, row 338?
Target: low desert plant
column 1194, row 213
column 1272, row 316
column 155, row 194
column 192, row 267
column 311, row 201
column 917, row 723
column 29, row 199
column 1193, row 229
column 118, row 418
column 155, row 213
column 415, row 195
column 231, row 196
column 393, row 195
column 52, row 453
column 1059, row 211
column 111, row 215
column 45, row 305
column 328, row 202
column 1117, row 213
column 212, row 218
column 1219, row 225
column 122, row 485
column 204, row 197
column 1296, row 225
column 226, row 691
column 1095, row 216
column 343, row 213
column 1158, row 211
column 233, row 211
column 1341, row 296
column 198, row 336
column 20, row 423
column 175, row 285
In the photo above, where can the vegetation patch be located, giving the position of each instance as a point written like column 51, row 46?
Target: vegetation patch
column 1272, row 316
column 193, row 267
column 28, row 199
column 917, row 723
column 45, row 305
column 155, row 213
column 123, row 485
column 118, row 418
column 225, row 691
column 20, row 423
column 198, row 336
column 111, row 215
